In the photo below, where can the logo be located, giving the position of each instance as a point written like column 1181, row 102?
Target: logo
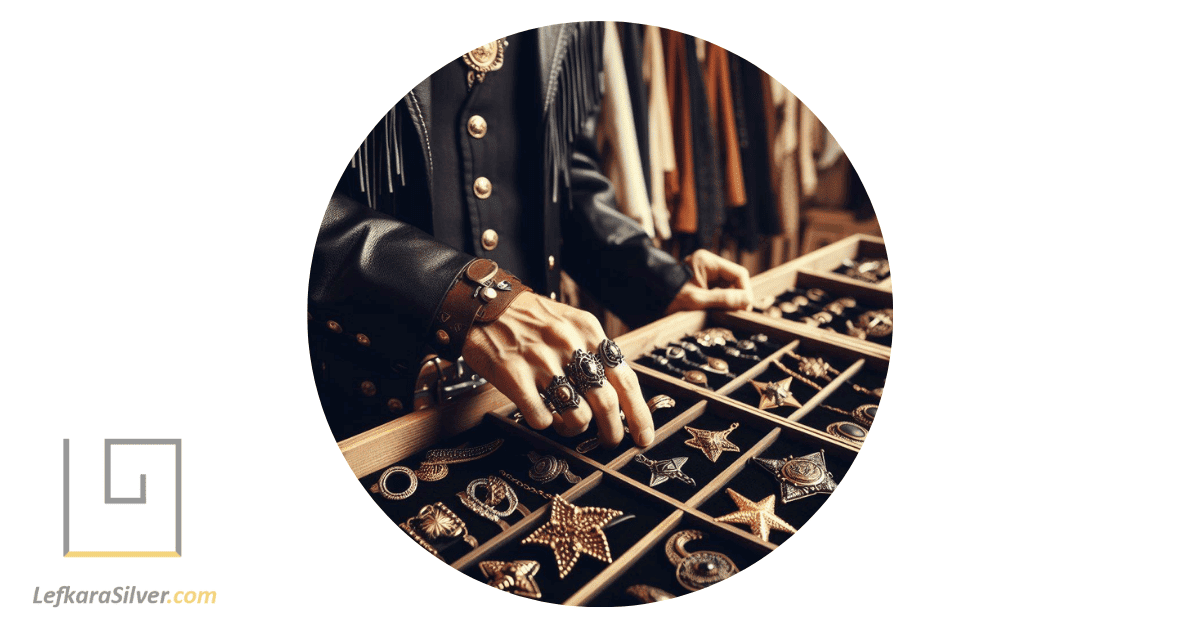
column 128, row 527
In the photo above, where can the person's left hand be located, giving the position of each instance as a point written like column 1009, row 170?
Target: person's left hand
column 717, row 283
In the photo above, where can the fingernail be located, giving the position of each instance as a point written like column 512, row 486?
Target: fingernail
column 645, row 437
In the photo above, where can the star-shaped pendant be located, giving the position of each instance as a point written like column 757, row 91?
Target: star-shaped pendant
column 516, row 577
column 800, row 477
column 775, row 394
column 712, row 443
column 572, row 531
column 760, row 515
column 663, row 470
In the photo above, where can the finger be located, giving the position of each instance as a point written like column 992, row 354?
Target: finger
column 641, row 425
column 723, row 298
column 576, row 421
column 732, row 273
column 522, row 391
column 607, row 409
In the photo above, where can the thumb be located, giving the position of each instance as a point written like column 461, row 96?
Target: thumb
column 723, row 298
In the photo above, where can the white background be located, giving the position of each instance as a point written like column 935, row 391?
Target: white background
column 1032, row 164
column 100, row 527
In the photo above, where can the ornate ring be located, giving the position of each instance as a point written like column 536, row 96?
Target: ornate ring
column 560, row 395
column 697, row 570
column 610, row 354
column 658, row 402
column 381, row 486
column 586, row 371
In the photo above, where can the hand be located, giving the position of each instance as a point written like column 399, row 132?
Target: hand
column 708, row 270
column 530, row 344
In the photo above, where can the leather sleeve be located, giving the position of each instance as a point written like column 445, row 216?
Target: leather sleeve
column 380, row 277
column 608, row 253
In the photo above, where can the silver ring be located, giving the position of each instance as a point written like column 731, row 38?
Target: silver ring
column 560, row 395
column 586, row 371
column 610, row 354
column 381, row 486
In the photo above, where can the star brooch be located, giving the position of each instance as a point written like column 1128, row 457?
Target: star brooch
column 663, row 470
column 712, row 443
column 760, row 515
column 516, row 577
column 573, row 531
column 800, row 477
column 775, row 394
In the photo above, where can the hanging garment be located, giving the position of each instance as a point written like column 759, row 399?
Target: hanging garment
column 784, row 109
column 707, row 175
column 760, row 217
column 720, row 101
column 632, row 51
column 625, row 169
column 661, row 138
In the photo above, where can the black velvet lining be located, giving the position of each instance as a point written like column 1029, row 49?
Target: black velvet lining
column 748, row 395
column 661, row 417
column 839, row 322
column 737, row 366
column 755, row 483
column 654, row 569
column 698, row 466
column 621, row 537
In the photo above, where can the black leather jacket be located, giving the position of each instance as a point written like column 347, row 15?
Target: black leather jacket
column 378, row 276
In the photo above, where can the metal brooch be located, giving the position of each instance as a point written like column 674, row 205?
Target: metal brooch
column 547, row 468
column 800, row 477
column 663, row 470
column 434, row 468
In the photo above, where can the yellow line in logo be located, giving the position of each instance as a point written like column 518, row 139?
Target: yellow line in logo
column 122, row 555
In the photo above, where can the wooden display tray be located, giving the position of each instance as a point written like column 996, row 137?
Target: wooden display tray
column 827, row 259
column 376, row 449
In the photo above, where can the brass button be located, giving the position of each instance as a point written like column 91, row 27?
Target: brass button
column 443, row 337
column 477, row 126
column 490, row 239
column 362, row 340
column 333, row 327
column 483, row 187
column 367, row 388
column 550, row 261
column 395, row 405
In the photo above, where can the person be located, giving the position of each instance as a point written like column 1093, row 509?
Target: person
column 449, row 229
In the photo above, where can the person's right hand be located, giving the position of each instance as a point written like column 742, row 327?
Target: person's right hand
column 530, row 344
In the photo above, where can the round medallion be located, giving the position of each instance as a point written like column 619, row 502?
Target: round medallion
column 847, row 431
column 802, row 472
column 696, row 377
column 876, row 323
column 717, row 365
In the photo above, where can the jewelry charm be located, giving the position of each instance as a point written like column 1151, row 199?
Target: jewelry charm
column 759, row 516
column 516, row 577
column 560, row 395
column 497, row 492
column 435, row 522
column 775, row 394
column 434, row 468
column 663, row 470
column 847, row 431
column 800, row 477
column 712, row 443
column 486, row 58
column 697, row 570
column 573, row 531
column 546, row 468
column 646, row 594
column 610, row 354
column 696, row 378
column 381, row 486
column 586, row 371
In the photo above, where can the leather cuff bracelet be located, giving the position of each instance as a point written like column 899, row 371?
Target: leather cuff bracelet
column 481, row 293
